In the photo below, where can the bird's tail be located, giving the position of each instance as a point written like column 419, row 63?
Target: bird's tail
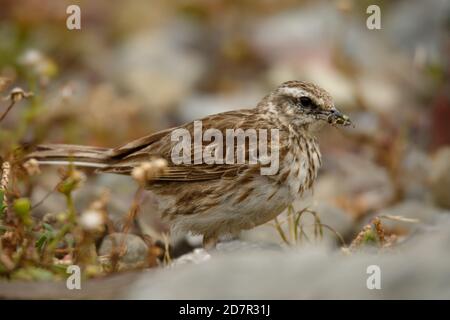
column 65, row 154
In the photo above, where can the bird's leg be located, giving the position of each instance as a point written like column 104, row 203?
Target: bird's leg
column 210, row 241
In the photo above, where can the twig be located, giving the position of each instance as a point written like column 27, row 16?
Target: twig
column 121, row 249
column 335, row 232
column 14, row 96
column 317, row 223
column 49, row 193
column 134, row 210
column 399, row 218
column 291, row 224
column 3, row 116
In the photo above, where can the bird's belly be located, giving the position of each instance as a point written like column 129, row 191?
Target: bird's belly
column 267, row 202
column 234, row 212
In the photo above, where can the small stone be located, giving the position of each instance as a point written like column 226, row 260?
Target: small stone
column 132, row 250
column 199, row 255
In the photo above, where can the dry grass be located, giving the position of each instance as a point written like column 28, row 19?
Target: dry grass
column 41, row 249
column 296, row 229
column 373, row 234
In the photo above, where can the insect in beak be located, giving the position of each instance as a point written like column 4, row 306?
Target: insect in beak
column 336, row 117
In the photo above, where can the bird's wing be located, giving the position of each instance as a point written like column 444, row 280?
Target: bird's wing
column 160, row 144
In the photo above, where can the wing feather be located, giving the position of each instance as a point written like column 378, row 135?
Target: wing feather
column 159, row 145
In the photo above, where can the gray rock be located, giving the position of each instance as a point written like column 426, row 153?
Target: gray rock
column 414, row 272
column 243, row 246
column 418, row 269
column 200, row 255
column 197, row 256
column 134, row 255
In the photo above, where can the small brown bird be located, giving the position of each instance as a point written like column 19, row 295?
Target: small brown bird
column 214, row 199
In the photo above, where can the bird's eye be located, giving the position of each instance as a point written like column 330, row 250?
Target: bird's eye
column 307, row 102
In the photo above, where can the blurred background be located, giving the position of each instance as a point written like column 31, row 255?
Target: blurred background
column 136, row 67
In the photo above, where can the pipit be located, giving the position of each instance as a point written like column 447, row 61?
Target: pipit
column 215, row 199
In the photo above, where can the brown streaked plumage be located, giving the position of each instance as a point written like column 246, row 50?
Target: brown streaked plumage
column 217, row 199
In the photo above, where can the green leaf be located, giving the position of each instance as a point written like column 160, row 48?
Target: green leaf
column 370, row 237
column 45, row 236
column 48, row 227
column 40, row 243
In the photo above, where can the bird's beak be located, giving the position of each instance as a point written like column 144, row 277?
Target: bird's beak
column 336, row 117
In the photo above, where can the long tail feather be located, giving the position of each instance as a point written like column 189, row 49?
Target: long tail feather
column 64, row 154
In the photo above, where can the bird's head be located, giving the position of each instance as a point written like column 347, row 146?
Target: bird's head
column 304, row 103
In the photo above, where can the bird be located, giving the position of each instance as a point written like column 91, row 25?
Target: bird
column 217, row 199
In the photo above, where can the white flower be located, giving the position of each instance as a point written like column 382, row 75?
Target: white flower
column 31, row 57
column 92, row 220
